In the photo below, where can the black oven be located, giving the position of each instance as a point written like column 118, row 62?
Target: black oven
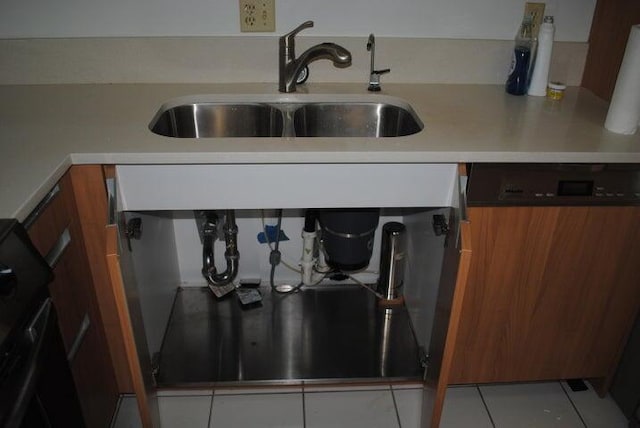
column 36, row 387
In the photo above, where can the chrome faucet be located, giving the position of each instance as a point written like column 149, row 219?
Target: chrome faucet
column 374, row 75
column 290, row 66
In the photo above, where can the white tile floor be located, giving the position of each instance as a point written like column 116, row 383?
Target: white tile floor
column 540, row 405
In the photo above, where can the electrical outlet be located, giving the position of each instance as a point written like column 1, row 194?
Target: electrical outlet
column 536, row 10
column 257, row 15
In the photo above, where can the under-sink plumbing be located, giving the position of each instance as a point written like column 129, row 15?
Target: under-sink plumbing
column 208, row 229
column 313, row 265
column 335, row 241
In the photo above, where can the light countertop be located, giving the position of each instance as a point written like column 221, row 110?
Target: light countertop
column 46, row 128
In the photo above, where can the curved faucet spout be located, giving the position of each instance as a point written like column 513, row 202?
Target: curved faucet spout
column 290, row 66
column 336, row 53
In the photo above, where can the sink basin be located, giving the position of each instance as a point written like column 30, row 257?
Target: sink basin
column 206, row 120
column 348, row 116
column 355, row 120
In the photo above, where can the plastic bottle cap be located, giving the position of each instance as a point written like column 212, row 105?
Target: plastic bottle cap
column 557, row 86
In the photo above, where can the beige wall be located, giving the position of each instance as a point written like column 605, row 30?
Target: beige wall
column 254, row 59
column 458, row 19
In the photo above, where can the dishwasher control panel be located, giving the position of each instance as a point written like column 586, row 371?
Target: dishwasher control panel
column 554, row 184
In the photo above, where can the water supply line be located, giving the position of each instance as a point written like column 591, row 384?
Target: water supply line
column 274, row 260
column 288, row 264
column 309, row 259
column 208, row 234
column 312, row 263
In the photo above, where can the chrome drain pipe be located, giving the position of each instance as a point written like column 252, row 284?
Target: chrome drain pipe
column 208, row 228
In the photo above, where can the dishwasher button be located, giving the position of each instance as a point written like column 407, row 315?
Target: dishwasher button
column 550, row 195
column 609, row 194
column 539, row 195
column 599, row 194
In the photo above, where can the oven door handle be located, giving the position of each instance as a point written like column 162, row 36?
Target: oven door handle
column 37, row 336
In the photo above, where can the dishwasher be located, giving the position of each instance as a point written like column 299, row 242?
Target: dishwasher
column 36, row 385
column 553, row 281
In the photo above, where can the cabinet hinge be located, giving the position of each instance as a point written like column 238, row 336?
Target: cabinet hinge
column 440, row 226
column 155, row 367
column 423, row 357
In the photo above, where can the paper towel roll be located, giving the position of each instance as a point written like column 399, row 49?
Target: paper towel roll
column 624, row 110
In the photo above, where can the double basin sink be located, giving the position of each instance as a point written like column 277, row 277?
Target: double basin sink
column 217, row 116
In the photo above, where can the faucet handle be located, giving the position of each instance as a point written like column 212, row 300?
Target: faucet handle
column 374, row 79
column 383, row 71
column 290, row 35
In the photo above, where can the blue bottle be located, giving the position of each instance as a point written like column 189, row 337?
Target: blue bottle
column 518, row 80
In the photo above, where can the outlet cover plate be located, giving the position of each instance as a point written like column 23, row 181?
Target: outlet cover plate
column 257, row 16
column 536, row 10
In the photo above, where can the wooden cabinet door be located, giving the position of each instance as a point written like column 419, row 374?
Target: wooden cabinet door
column 108, row 267
column 91, row 205
column 610, row 28
column 552, row 293
column 451, row 292
column 445, row 328
column 126, row 295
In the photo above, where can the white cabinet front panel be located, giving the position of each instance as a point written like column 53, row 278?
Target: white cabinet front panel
column 189, row 187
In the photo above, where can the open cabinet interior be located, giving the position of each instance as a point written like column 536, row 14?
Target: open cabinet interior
column 334, row 329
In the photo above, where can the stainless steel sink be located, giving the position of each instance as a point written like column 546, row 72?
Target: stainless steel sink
column 206, row 120
column 348, row 116
column 355, row 120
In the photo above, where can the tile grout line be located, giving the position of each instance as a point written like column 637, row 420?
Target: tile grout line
column 484, row 403
column 304, row 409
column 395, row 406
column 183, row 395
column 573, row 404
column 210, row 424
column 320, row 388
column 250, row 394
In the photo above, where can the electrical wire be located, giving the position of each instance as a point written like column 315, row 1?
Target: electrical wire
column 324, row 275
column 357, row 281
